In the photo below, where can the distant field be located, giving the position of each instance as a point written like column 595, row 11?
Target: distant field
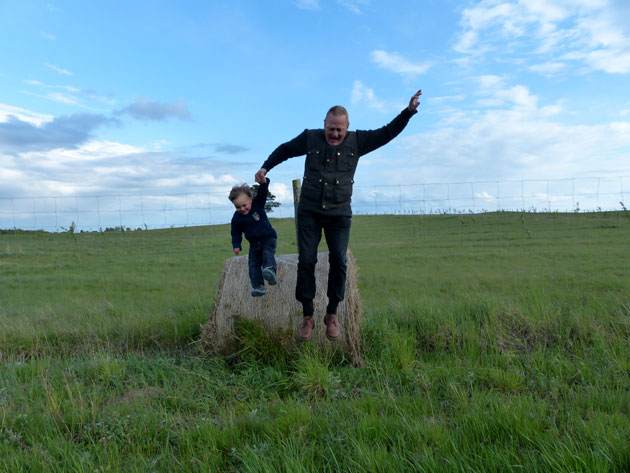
column 493, row 342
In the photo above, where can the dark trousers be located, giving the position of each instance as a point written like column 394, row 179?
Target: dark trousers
column 337, row 232
column 261, row 255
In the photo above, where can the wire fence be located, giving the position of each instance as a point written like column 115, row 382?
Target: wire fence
column 211, row 206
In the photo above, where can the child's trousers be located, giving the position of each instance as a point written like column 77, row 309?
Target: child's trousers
column 261, row 255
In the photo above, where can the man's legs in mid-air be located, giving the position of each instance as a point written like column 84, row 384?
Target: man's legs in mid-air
column 309, row 235
column 337, row 233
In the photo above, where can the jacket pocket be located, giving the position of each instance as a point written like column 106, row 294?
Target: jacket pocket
column 343, row 190
column 312, row 188
column 345, row 160
column 314, row 162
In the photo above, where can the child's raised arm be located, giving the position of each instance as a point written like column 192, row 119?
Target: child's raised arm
column 262, row 193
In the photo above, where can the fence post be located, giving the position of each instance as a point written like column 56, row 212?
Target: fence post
column 297, row 187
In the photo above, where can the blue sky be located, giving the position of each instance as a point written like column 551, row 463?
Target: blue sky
column 138, row 97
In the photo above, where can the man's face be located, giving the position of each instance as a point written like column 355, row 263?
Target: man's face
column 243, row 204
column 335, row 128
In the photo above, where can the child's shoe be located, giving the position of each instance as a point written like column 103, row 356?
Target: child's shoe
column 259, row 291
column 269, row 275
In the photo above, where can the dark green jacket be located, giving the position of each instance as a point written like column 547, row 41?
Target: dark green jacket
column 329, row 170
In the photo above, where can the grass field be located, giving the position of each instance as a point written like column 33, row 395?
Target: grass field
column 492, row 343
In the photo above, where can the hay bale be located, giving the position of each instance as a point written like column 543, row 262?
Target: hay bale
column 278, row 312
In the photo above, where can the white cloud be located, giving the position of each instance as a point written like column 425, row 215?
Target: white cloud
column 354, row 5
column 447, row 98
column 59, row 70
column 60, row 172
column 610, row 61
column 517, row 143
column 397, row 63
column 62, row 98
column 550, row 68
column 160, row 144
column 57, row 97
column 510, row 145
column 48, row 36
column 491, row 81
column 495, row 93
column 518, row 139
column 595, row 33
column 365, row 95
column 308, row 4
column 23, row 114
column 69, row 95
column 510, row 19
column 282, row 192
column 106, row 168
column 94, row 150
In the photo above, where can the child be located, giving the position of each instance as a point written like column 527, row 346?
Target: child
column 251, row 219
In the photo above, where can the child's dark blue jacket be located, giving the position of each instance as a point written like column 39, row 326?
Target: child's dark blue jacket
column 255, row 225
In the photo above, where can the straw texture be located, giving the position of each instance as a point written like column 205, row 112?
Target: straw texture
column 278, row 312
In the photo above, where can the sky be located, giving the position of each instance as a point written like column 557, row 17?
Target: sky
column 158, row 97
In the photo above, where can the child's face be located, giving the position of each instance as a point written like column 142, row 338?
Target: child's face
column 243, row 204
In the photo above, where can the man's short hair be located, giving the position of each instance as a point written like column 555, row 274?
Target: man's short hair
column 338, row 110
column 238, row 190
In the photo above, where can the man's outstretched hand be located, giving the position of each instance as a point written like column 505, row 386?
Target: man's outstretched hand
column 260, row 176
column 414, row 102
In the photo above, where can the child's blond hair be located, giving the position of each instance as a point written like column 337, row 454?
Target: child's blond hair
column 242, row 189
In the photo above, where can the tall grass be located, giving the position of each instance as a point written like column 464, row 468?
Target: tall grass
column 495, row 342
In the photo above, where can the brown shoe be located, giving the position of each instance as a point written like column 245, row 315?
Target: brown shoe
column 332, row 327
column 306, row 330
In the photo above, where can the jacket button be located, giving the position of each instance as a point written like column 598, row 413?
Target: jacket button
column 320, row 180
column 325, row 183
column 328, row 160
column 338, row 153
column 324, row 206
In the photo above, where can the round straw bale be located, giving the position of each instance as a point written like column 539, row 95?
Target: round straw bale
column 278, row 312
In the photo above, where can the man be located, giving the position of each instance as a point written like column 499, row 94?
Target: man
column 332, row 155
